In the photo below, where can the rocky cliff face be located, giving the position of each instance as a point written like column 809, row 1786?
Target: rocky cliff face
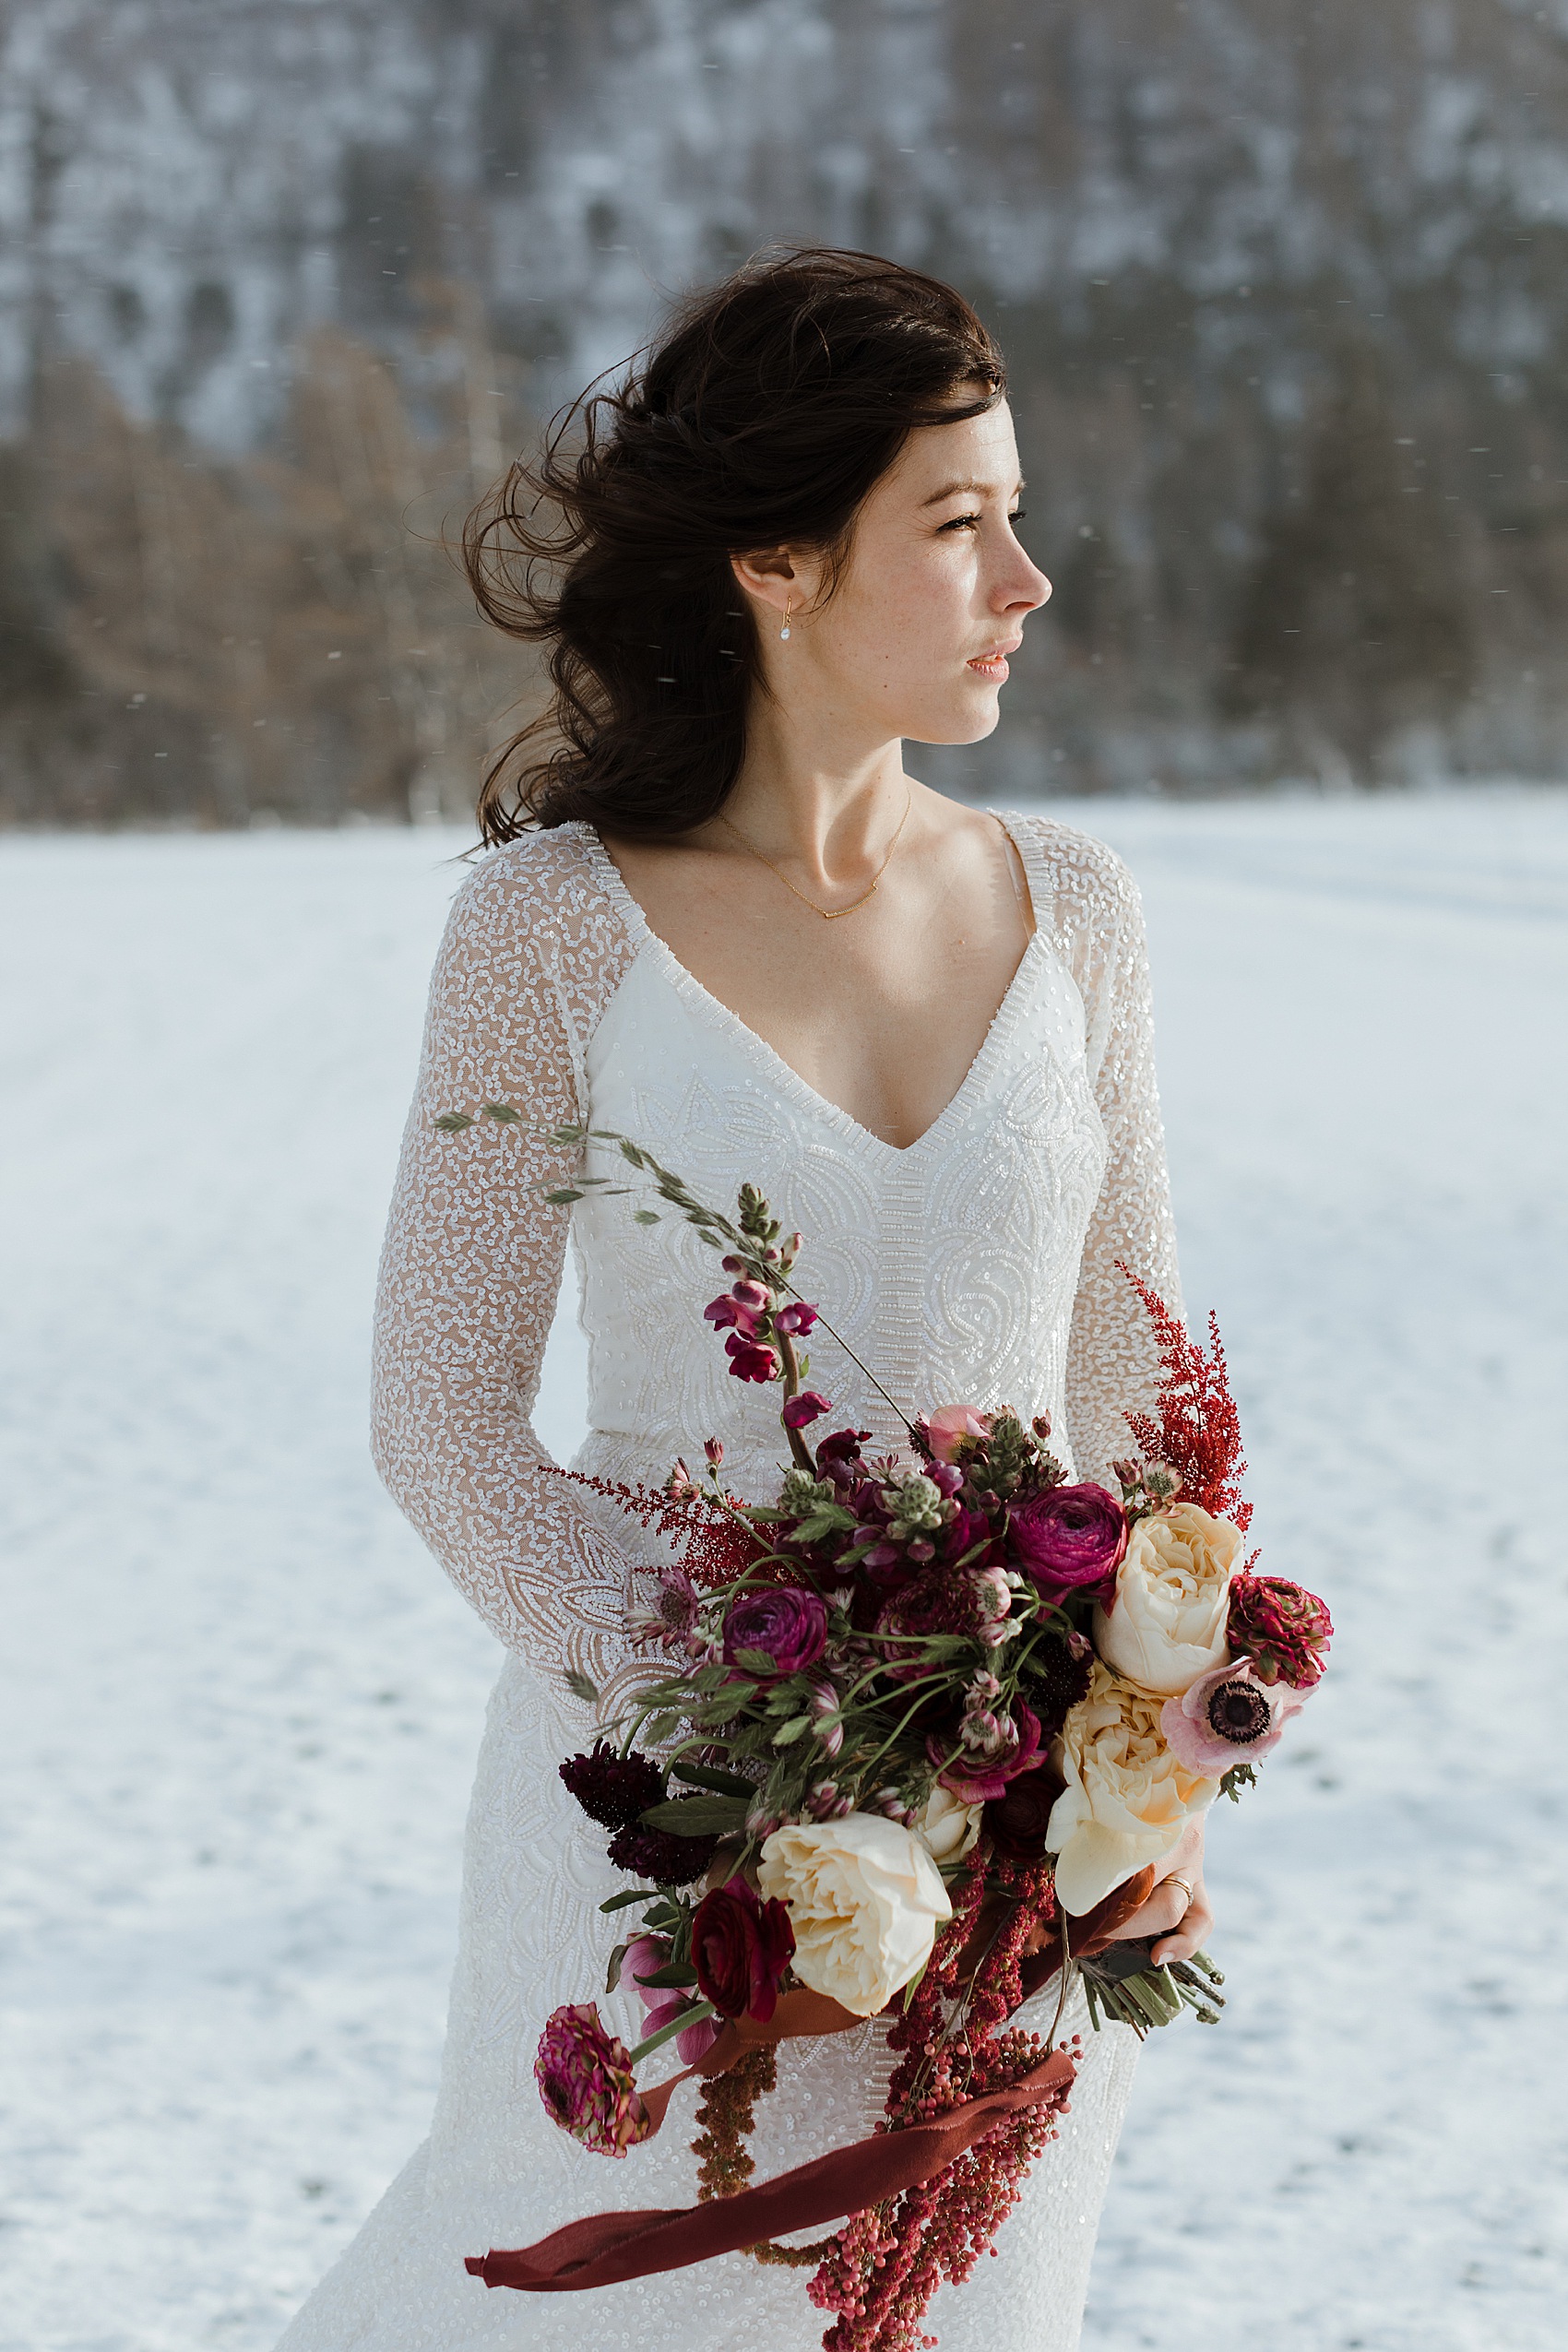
column 1282, row 282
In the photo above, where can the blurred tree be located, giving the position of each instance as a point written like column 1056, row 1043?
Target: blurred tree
column 184, row 640
column 1353, row 625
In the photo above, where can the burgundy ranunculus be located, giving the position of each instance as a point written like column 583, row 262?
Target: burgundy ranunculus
column 788, row 1625
column 807, row 1407
column 741, row 1948
column 1018, row 1817
column 1284, row 1629
column 1069, row 1540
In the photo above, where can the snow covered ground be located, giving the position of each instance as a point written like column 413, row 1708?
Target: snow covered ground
column 241, row 1707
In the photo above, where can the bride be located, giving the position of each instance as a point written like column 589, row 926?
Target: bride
column 720, row 916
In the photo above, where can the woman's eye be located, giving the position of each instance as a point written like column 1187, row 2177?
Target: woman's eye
column 1019, row 514
column 962, row 523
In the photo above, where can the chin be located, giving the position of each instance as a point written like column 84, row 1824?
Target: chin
column 958, row 726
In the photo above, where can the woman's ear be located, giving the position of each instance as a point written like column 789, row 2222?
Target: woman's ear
column 777, row 578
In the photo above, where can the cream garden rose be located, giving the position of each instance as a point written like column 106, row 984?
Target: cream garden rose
column 1172, row 1600
column 946, row 1826
column 1127, row 1798
column 866, row 1900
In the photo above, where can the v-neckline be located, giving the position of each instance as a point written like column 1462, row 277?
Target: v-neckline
column 784, row 1074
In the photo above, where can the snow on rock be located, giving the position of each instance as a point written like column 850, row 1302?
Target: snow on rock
column 242, row 1706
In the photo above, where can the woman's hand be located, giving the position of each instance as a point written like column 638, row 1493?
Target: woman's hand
column 1182, row 1923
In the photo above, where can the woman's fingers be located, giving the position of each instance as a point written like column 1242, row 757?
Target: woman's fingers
column 1162, row 1910
column 1191, row 1930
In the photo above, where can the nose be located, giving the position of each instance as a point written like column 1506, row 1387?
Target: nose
column 1023, row 589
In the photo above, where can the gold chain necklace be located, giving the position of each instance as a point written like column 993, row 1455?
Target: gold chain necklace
column 829, row 914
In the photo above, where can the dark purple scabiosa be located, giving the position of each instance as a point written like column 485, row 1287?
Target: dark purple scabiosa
column 613, row 1790
column 658, row 1857
column 1056, row 1680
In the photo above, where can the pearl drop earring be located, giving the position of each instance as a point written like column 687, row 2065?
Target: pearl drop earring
column 784, row 631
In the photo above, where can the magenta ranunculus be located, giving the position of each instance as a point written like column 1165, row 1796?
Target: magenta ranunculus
column 584, row 2079
column 806, row 1407
column 787, row 1624
column 750, row 1362
column 1228, row 1717
column 1069, row 1540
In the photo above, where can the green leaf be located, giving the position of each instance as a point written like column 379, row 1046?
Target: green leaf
column 703, row 1816
column 661, row 1727
column 727, row 1703
column 503, row 1113
column 724, row 1784
column 580, row 1687
column 612, row 1972
column 560, row 1199
column 452, row 1122
column 647, row 1216
column 1239, row 1776
column 674, row 1977
column 755, row 1662
column 633, row 1895
column 692, row 2016
column 789, row 1732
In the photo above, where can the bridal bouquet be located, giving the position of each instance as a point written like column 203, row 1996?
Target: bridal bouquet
column 924, row 1725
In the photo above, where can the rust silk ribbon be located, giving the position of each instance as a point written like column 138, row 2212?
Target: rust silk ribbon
column 605, row 2250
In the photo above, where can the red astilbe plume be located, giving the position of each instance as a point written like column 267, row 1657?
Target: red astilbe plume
column 1196, row 1429
column 716, row 1546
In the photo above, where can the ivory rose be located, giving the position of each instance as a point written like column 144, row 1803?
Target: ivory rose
column 1126, row 1797
column 865, row 1901
column 947, row 1825
column 1166, row 1625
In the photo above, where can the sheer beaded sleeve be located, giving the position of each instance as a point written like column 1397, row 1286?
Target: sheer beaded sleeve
column 471, row 1268
column 1113, row 1367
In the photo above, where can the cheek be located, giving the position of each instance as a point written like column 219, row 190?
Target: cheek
column 916, row 614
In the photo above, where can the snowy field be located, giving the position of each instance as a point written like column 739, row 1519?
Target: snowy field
column 241, row 1706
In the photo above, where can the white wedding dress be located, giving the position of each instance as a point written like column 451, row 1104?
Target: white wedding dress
column 977, row 1265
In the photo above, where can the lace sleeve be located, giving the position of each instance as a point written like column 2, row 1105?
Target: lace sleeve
column 1112, row 1366
column 471, row 1268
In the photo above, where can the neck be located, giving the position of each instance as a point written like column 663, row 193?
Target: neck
column 830, row 809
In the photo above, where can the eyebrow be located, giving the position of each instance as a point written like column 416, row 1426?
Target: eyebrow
column 953, row 490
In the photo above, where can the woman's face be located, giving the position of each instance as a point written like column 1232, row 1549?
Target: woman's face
column 913, row 641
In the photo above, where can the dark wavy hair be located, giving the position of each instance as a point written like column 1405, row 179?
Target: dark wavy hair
column 760, row 418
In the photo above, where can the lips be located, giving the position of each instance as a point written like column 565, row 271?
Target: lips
column 992, row 664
